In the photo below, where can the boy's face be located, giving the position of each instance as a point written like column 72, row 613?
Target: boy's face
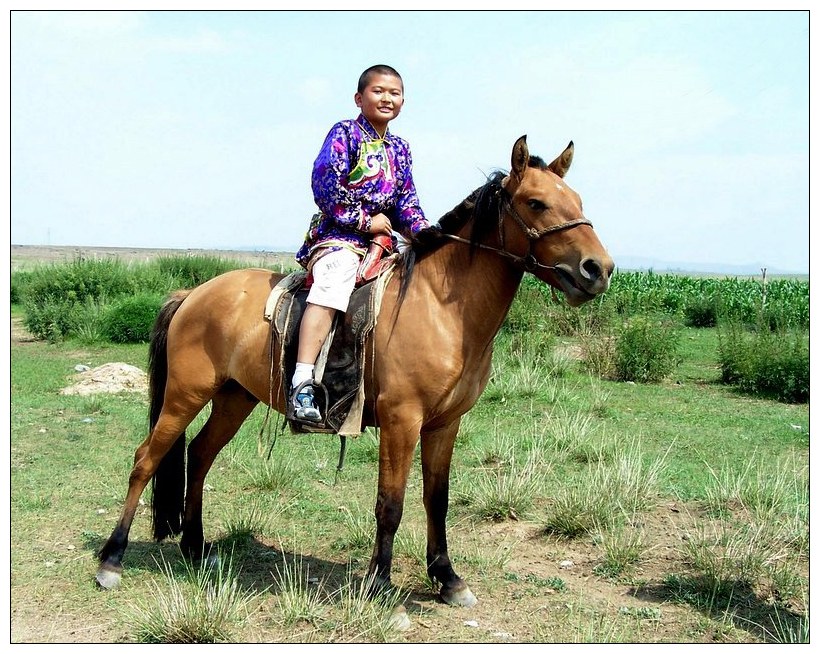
column 381, row 100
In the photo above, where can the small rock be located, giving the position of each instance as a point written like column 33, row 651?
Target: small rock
column 49, row 564
column 101, row 511
column 81, row 368
column 503, row 635
column 566, row 564
column 71, row 548
column 41, row 430
column 88, row 421
column 470, row 623
column 797, row 427
column 631, row 383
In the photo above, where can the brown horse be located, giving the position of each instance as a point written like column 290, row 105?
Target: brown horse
column 431, row 363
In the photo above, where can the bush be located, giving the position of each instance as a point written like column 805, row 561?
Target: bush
column 19, row 285
column 191, row 271
column 58, row 299
column 771, row 364
column 701, row 312
column 646, row 350
column 130, row 319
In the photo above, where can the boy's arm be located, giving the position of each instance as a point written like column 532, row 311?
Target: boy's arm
column 409, row 215
column 329, row 181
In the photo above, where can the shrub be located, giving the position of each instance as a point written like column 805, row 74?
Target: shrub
column 60, row 299
column 191, row 271
column 19, row 284
column 771, row 364
column 130, row 319
column 646, row 350
column 79, row 280
column 701, row 312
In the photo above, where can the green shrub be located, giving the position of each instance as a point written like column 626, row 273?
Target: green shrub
column 59, row 299
column 191, row 271
column 80, row 279
column 19, row 285
column 646, row 350
column 762, row 362
column 130, row 319
column 701, row 312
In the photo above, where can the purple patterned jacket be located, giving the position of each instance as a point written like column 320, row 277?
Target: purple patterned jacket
column 356, row 176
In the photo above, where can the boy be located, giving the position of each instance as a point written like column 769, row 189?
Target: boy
column 363, row 185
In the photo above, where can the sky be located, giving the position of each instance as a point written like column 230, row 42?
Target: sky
column 198, row 129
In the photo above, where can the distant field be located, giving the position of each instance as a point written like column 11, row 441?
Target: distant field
column 25, row 257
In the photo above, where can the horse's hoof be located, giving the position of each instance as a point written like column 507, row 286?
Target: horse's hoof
column 399, row 619
column 462, row 597
column 108, row 579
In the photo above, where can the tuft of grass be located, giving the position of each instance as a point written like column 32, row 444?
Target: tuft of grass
column 365, row 614
column 247, row 523
column 606, row 493
column 298, row 597
column 623, row 548
column 359, row 530
column 504, row 493
column 203, row 606
column 729, row 558
column 761, row 489
column 279, row 475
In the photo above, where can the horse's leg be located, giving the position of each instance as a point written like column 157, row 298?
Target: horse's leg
column 231, row 406
column 396, row 447
column 436, row 454
column 170, row 424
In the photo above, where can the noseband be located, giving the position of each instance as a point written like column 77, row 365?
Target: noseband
column 528, row 262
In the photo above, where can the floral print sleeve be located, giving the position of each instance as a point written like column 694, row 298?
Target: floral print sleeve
column 330, row 180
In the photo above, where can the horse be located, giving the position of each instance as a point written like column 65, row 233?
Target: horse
column 428, row 363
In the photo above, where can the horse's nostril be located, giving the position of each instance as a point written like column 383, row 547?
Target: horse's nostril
column 591, row 269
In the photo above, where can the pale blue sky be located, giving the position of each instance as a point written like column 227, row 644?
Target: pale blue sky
column 199, row 129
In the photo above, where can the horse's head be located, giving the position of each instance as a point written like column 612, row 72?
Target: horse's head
column 545, row 226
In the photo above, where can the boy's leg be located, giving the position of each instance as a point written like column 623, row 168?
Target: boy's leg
column 316, row 323
column 334, row 276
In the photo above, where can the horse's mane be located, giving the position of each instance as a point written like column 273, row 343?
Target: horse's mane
column 481, row 206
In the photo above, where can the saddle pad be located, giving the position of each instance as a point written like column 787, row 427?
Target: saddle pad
column 340, row 367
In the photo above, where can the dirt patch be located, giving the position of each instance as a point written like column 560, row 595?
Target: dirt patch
column 108, row 378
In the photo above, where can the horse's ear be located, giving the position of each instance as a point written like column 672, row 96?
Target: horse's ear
column 561, row 165
column 520, row 156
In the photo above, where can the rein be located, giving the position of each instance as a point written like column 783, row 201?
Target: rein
column 528, row 262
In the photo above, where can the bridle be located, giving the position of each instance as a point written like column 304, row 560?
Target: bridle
column 528, row 262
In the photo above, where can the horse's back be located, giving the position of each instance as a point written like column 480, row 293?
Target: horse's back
column 220, row 331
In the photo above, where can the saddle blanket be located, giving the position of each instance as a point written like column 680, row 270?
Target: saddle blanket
column 339, row 373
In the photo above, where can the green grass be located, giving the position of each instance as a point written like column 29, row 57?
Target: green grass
column 700, row 443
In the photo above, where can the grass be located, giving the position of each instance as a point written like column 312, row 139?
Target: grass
column 614, row 454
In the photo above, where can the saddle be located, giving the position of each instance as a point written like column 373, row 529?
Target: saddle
column 339, row 373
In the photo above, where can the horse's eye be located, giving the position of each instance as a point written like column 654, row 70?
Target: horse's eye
column 536, row 205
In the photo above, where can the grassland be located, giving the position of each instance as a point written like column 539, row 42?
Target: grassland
column 697, row 497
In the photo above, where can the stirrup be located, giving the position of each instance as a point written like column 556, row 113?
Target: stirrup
column 298, row 419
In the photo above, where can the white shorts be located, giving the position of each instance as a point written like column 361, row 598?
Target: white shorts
column 334, row 277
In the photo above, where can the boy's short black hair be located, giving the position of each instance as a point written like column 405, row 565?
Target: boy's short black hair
column 378, row 69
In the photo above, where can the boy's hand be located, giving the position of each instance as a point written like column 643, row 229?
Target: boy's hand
column 380, row 224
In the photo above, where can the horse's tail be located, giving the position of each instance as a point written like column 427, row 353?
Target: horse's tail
column 168, row 484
